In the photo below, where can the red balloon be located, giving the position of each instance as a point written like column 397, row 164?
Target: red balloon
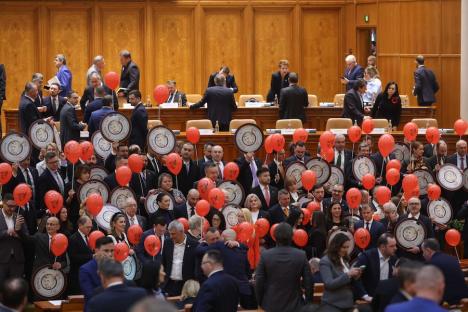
column 308, row 179
column 204, row 186
column 410, row 130
column 383, row 195
column 327, row 140
column 134, row 234
column 184, row 223
column 72, row 151
column 206, row 225
column 152, row 245
column 433, row 191
column 410, row 181
column 53, row 201
column 392, row 176
column 123, row 175
column 5, row 173
column 136, row 163
column 354, row 134
column 386, row 144
column 432, row 135
column 313, row 206
column 353, row 197
column 300, row 237
column 22, row 194
column 93, row 237
column 58, row 244
column 121, row 251
column 231, row 171
column 202, row 207
column 411, row 193
column 368, row 181
column 160, row 93
column 394, row 163
column 174, row 163
column 376, row 217
column 112, row 80
column 368, row 125
column 216, row 198
column 246, row 231
column 307, row 216
column 300, row 134
column 452, row 237
column 460, row 127
column 262, row 226
column 278, row 142
column 272, row 231
column 269, row 144
column 362, row 238
column 94, row 203
column 87, row 150
column 328, row 154
column 193, row 135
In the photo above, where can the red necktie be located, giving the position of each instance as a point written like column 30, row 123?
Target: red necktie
column 267, row 196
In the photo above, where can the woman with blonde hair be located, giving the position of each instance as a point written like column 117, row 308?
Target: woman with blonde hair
column 254, row 205
column 189, row 293
column 253, row 243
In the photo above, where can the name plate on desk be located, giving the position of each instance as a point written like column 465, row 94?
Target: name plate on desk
column 327, row 104
column 206, row 131
column 287, row 131
column 127, row 105
column 84, row 134
column 254, row 104
column 421, row 130
column 169, row 105
column 378, row 131
column 339, row 131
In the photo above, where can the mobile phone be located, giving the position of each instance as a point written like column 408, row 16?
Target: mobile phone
column 362, row 267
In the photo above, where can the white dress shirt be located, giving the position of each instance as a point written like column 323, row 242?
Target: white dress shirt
column 178, row 260
column 220, row 165
column 370, row 224
column 459, row 163
column 85, row 239
column 384, row 266
column 9, row 221
column 416, row 216
column 132, row 220
column 254, row 215
column 374, row 87
column 342, row 159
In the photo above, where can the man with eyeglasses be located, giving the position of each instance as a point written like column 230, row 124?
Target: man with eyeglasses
column 43, row 244
column 337, row 197
column 50, row 179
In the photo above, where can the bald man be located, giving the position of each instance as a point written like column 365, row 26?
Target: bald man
column 43, row 254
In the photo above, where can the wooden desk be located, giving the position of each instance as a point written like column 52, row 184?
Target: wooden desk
column 46, row 306
column 175, row 118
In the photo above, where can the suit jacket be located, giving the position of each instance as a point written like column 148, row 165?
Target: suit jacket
column 69, row 126
column 111, row 181
column 12, row 247
column 273, row 167
column 43, row 255
column 230, row 82
column 139, row 121
column 338, row 290
column 293, row 101
column 2, row 83
column 280, row 266
column 376, row 230
column 140, row 250
column 64, row 76
column 427, row 223
column 186, row 179
column 88, row 97
column 455, row 286
column 346, row 159
column 277, row 214
column 353, row 106
column 353, row 75
column 220, row 104
column 273, row 196
column 415, row 304
column 246, row 176
column 383, row 294
column 428, row 150
column 326, row 204
column 92, row 106
column 79, row 253
column 28, row 114
column 219, row 293
column 96, row 117
column 51, row 109
column 189, row 262
column 425, row 86
column 130, row 77
column 89, row 279
column 46, row 183
column 292, row 159
column 142, row 222
column 118, row 298
column 276, row 85
column 371, row 275
column 178, row 96
column 180, row 211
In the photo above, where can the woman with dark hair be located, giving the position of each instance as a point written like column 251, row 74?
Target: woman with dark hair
column 338, row 276
column 216, row 220
column 66, row 227
column 152, row 276
column 117, row 230
column 163, row 201
column 335, row 217
column 318, row 234
column 82, row 175
column 388, row 105
column 295, row 218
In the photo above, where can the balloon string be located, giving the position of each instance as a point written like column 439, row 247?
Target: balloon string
column 201, row 228
column 73, row 176
column 456, row 252
column 381, row 170
column 142, row 192
column 196, row 153
column 176, row 182
column 352, row 152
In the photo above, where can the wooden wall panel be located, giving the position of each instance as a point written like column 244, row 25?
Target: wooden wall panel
column 18, row 42
column 69, row 29
column 273, row 42
column 174, row 44
column 451, row 26
column 389, row 68
column 449, row 95
column 388, row 31
column 369, row 9
column 321, row 61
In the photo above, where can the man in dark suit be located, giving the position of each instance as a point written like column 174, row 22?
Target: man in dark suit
column 299, row 154
column 89, row 93
column 116, row 295
column 280, row 266
column 2, row 90
column 38, row 80
column 131, row 218
column 98, row 115
column 13, row 234
column 277, row 169
column 110, row 180
column 267, row 194
column 54, row 102
column 391, row 217
column 28, row 112
column 175, row 96
column 350, row 179
column 379, row 263
column 190, row 172
column 158, row 228
column 178, row 258
column 95, row 104
column 220, row 103
column 352, row 73
column 154, row 163
column 220, row 292
column 130, row 74
column 337, row 197
column 139, row 120
column 280, row 211
column 353, row 106
column 435, row 161
column 207, row 147
column 343, row 156
column 248, row 168
column 44, row 256
column 187, row 209
column 455, row 286
column 375, row 228
column 279, row 80
column 69, row 126
column 459, row 159
column 79, row 252
column 425, row 83
column 14, row 295
column 293, row 100
column 118, row 149
column 230, row 80
column 50, row 179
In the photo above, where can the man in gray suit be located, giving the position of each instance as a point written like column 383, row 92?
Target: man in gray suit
column 69, row 126
column 279, row 273
column 12, row 234
column 425, row 83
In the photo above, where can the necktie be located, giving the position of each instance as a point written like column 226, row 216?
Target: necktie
column 155, row 165
column 367, row 226
column 56, row 104
column 220, row 174
column 26, row 174
column 171, row 98
column 286, row 211
column 187, row 168
column 143, row 182
column 267, row 196
column 253, row 169
column 338, row 160
column 132, row 220
column 462, row 163
column 192, row 211
column 59, row 182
